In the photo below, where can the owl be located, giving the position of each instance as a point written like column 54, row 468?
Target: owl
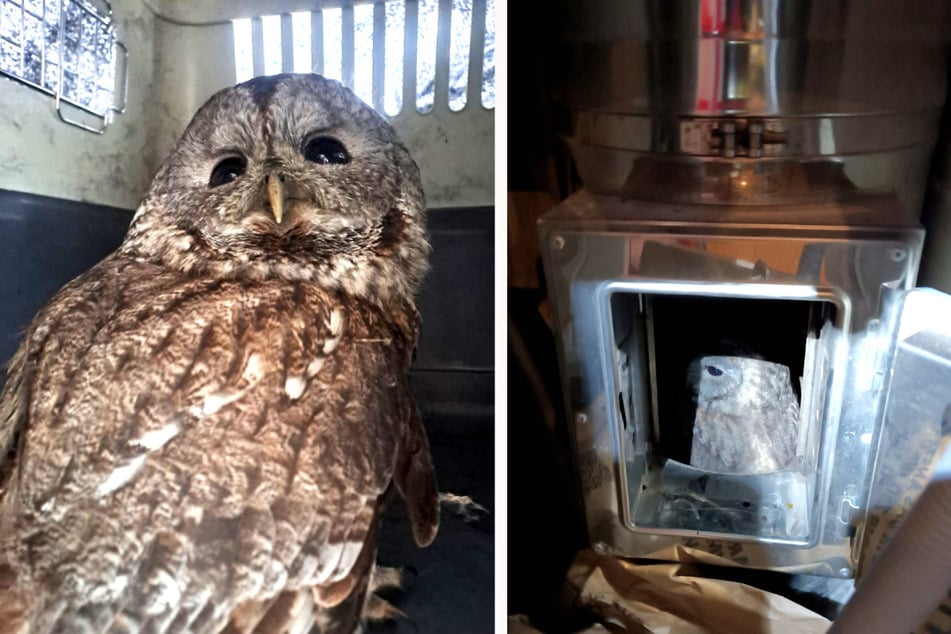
column 747, row 415
column 199, row 433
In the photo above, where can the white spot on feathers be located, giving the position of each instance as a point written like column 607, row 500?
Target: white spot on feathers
column 348, row 557
column 276, row 574
column 294, row 386
column 253, row 369
column 253, row 372
column 336, row 560
column 54, row 512
column 168, row 594
column 214, row 402
column 182, row 243
column 157, row 438
column 314, row 367
column 117, row 585
column 329, row 555
column 194, row 514
column 336, row 322
column 109, row 591
column 336, row 329
column 308, row 567
column 120, row 476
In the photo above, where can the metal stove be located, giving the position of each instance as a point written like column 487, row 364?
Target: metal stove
column 733, row 289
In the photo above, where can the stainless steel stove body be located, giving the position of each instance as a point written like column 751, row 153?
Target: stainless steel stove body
column 639, row 300
column 730, row 289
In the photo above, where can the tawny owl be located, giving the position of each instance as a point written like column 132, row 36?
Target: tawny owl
column 747, row 415
column 199, row 433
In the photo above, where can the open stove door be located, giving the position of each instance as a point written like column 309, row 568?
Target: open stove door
column 916, row 424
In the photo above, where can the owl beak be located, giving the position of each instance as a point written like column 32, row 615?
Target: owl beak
column 275, row 192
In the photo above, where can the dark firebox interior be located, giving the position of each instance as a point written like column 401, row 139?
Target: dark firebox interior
column 687, row 327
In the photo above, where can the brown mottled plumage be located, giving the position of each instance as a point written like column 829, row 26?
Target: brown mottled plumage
column 198, row 434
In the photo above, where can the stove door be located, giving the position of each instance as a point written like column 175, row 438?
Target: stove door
column 916, row 424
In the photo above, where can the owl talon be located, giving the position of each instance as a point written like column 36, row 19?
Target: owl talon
column 380, row 610
column 464, row 507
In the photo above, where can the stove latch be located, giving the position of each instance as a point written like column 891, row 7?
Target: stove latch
column 729, row 138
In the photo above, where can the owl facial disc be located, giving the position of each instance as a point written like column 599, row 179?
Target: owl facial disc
column 291, row 177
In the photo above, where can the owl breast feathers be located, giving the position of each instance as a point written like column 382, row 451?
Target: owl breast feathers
column 199, row 433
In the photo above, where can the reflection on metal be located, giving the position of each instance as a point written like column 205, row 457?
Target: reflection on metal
column 798, row 81
column 67, row 49
column 384, row 51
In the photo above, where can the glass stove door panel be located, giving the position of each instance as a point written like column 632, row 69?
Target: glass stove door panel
column 916, row 425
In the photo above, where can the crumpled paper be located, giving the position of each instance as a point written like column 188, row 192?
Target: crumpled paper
column 672, row 599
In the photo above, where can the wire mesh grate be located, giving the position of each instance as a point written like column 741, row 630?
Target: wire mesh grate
column 67, row 49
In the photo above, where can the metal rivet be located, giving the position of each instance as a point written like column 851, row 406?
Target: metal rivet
column 581, row 418
column 898, row 255
column 558, row 242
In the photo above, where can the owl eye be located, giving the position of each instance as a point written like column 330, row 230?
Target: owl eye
column 713, row 370
column 325, row 150
column 227, row 170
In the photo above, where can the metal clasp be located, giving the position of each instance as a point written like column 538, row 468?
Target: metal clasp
column 734, row 137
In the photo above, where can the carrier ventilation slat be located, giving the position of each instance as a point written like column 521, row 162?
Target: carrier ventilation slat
column 431, row 53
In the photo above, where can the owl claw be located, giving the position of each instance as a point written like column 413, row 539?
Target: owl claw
column 463, row 506
column 376, row 608
column 379, row 610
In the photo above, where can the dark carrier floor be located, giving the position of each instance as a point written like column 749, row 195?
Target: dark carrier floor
column 449, row 585
column 452, row 590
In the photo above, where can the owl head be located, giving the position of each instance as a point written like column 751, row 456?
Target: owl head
column 290, row 177
column 715, row 377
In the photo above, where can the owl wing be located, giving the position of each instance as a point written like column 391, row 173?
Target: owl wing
column 184, row 447
column 12, row 400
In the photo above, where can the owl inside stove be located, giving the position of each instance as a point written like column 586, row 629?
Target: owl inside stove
column 718, row 416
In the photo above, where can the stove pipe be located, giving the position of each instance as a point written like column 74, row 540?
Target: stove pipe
column 753, row 101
